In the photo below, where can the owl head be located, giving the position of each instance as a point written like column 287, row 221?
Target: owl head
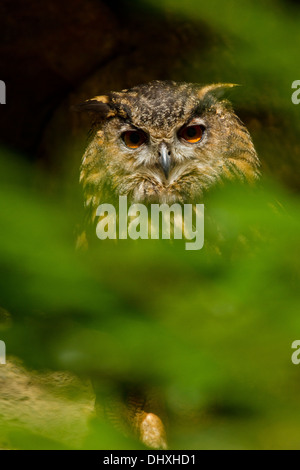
column 164, row 142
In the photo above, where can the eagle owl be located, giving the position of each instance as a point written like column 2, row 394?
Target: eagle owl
column 162, row 142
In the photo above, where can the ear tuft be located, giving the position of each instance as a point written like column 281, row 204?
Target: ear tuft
column 102, row 99
column 98, row 105
column 216, row 89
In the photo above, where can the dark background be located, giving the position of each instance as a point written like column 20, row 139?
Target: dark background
column 54, row 54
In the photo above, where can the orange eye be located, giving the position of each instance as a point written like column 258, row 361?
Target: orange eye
column 191, row 134
column 134, row 139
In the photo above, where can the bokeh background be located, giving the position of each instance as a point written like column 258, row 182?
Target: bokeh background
column 209, row 331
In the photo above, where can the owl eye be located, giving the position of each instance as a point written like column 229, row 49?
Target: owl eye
column 191, row 134
column 134, row 139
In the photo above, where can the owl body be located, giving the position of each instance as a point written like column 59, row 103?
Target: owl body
column 162, row 142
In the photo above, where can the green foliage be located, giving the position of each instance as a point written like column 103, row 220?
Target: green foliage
column 212, row 328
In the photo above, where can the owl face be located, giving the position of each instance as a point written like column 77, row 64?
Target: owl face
column 164, row 142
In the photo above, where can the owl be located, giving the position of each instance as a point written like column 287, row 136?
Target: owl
column 161, row 142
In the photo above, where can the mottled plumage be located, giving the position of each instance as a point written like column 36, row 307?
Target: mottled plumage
column 162, row 142
column 160, row 110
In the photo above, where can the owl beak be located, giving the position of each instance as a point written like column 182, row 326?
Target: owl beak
column 165, row 158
